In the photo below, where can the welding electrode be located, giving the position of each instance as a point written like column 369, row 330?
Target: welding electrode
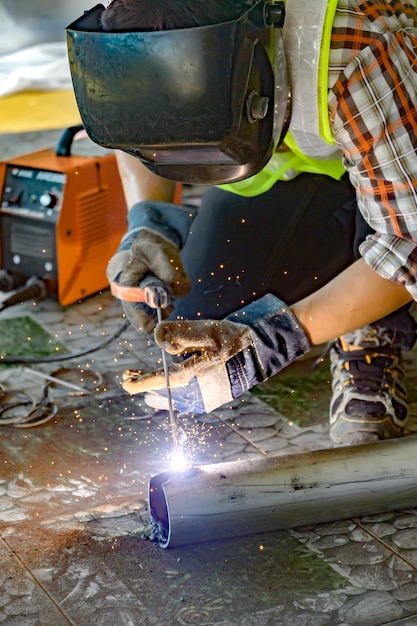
column 154, row 293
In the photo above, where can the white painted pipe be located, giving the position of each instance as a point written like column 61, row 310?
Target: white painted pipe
column 239, row 498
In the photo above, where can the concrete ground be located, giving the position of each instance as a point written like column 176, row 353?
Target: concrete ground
column 74, row 518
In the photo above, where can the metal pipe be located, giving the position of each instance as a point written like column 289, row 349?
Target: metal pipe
column 224, row 500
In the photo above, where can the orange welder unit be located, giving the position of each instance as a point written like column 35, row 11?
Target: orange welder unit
column 61, row 219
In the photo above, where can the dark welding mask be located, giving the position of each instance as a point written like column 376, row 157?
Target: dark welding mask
column 201, row 105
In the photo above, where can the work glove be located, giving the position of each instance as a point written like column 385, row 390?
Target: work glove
column 156, row 233
column 228, row 357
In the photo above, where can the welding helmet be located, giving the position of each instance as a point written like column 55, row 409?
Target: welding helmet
column 201, row 105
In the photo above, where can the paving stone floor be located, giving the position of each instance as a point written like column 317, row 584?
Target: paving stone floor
column 74, row 516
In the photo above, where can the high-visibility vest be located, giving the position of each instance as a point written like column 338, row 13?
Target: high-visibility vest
column 309, row 145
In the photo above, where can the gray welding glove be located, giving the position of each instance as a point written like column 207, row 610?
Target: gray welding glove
column 156, row 233
column 228, row 357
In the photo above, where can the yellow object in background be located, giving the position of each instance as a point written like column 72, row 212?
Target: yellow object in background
column 29, row 111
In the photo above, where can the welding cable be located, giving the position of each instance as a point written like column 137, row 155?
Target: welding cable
column 21, row 410
column 39, row 412
column 53, row 358
column 33, row 289
column 9, row 281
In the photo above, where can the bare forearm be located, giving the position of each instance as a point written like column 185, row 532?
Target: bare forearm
column 356, row 297
column 139, row 183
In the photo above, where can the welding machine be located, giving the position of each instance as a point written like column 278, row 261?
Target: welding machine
column 61, row 219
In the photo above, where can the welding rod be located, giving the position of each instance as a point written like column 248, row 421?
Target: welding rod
column 154, row 293
column 176, row 434
column 58, row 381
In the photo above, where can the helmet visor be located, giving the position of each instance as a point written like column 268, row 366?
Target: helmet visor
column 195, row 105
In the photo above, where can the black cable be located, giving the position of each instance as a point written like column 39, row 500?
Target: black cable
column 34, row 289
column 9, row 360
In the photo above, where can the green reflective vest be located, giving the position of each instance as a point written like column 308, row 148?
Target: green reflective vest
column 309, row 145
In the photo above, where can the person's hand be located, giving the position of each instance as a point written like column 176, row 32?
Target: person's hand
column 156, row 233
column 228, row 357
column 150, row 253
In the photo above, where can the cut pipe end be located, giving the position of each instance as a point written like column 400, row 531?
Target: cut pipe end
column 159, row 511
column 158, row 504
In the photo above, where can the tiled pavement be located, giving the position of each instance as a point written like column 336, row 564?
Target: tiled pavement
column 73, row 502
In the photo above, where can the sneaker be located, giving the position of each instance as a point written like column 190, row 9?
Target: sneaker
column 369, row 399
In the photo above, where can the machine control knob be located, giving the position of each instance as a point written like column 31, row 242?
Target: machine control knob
column 48, row 200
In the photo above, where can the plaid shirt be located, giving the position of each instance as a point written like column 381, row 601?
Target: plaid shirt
column 372, row 100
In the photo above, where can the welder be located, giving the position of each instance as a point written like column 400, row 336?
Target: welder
column 315, row 159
